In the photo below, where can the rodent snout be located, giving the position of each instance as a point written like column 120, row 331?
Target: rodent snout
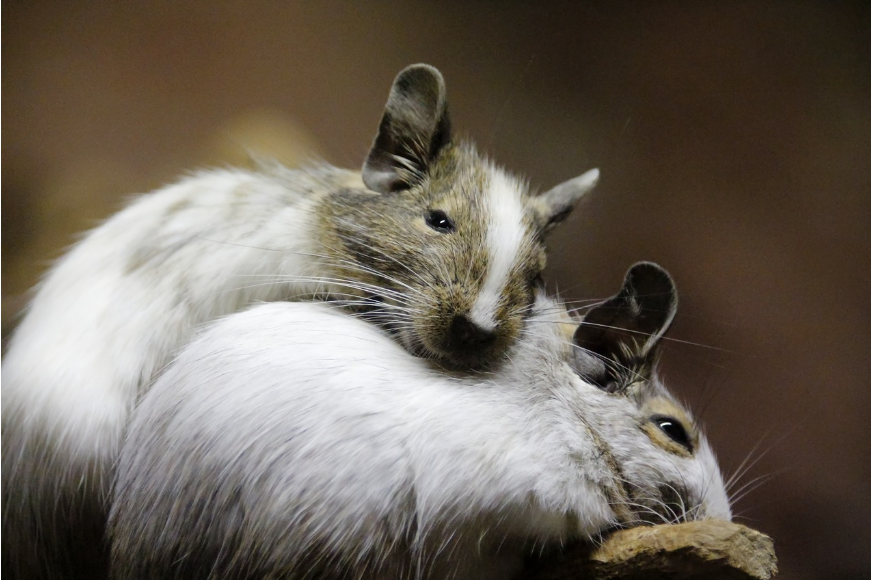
column 465, row 334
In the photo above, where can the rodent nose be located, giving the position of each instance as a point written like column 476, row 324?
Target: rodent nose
column 466, row 334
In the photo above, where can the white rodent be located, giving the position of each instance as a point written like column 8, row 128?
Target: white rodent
column 295, row 441
column 430, row 239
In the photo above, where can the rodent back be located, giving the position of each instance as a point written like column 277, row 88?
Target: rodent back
column 336, row 444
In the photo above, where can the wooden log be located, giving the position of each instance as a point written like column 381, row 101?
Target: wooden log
column 703, row 550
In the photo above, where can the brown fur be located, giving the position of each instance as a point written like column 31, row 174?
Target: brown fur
column 438, row 275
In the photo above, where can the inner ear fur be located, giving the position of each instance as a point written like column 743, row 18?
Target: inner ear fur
column 621, row 334
column 415, row 126
column 555, row 205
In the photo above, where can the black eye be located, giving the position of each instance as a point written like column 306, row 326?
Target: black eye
column 674, row 429
column 439, row 221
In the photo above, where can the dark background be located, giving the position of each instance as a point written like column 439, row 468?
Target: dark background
column 734, row 141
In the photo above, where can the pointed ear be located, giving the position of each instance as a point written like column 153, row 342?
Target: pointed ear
column 414, row 128
column 621, row 335
column 555, row 205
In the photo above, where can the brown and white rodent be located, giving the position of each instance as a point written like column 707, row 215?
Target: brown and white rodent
column 295, row 441
column 431, row 240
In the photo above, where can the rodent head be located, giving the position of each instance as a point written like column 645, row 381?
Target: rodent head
column 448, row 244
column 667, row 469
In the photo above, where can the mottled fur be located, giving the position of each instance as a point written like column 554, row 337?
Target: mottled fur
column 115, row 308
column 293, row 441
column 429, row 276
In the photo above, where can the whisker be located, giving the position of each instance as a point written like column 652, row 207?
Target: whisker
column 753, row 485
column 744, row 467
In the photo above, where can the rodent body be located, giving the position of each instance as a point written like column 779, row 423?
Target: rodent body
column 293, row 441
column 430, row 240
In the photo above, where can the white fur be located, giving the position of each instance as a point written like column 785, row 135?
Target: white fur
column 506, row 233
column 114, row 309
column 324, row 433
column 110, row 314
column 77, row 363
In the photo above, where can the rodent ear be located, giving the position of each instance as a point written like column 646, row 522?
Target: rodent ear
column 617, row 339
column 414, row 128
column 555, row 205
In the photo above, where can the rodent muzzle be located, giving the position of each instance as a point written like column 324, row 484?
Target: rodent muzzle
column 464, row 334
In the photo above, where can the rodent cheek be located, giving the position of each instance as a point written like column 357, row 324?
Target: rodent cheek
column 510, row 329
column 541, row 260
column 533, row 267
column 515, row 305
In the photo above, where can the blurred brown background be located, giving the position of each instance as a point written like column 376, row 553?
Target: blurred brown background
column 734, row 141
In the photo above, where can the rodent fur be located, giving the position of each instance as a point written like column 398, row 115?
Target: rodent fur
column 115, row 308
column 293, row 441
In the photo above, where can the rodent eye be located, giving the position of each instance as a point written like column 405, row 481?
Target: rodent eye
column 439, row 221
column 673, row 428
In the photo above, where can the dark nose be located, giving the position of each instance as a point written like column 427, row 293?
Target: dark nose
column 466, row 334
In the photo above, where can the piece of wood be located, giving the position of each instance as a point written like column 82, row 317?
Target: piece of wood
column 703, row 550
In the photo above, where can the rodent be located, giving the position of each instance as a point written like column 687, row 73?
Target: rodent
column 294, row 441
column 430, row 240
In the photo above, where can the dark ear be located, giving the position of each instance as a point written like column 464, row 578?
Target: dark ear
column 555, row 205
column 414, row 128
column 620, row 335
